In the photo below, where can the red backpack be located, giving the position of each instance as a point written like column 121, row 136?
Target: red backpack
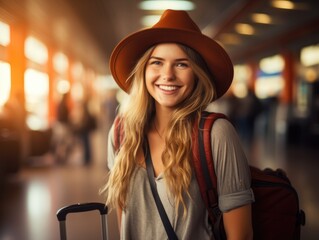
column 275, row 212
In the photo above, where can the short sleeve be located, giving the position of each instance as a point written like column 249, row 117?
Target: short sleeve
column 231, row 167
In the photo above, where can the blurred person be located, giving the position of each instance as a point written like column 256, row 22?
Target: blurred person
column 63, row 111
column 244, row 116
column 109, row 111
column 270, row 106
column 62, row 139
column 83, row 124
column 314, row 114
column 109, row 107
column 171, row 73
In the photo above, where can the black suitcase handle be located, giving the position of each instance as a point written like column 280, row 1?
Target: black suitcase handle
column 81, row 207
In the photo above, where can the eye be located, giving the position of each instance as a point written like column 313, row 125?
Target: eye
column 182, row 64
column 155, row 62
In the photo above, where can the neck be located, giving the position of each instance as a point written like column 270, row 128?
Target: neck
column 162, row 118
column 160, row 121
column 161, row 134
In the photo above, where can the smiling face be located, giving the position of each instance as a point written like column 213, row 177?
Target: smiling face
column 168, row 75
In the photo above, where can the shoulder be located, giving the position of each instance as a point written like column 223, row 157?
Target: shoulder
column 225, row 140
column 223, row 129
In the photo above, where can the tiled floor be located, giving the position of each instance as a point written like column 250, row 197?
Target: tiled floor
column 30, row 199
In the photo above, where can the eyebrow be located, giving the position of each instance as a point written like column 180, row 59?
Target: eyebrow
column 176, row 60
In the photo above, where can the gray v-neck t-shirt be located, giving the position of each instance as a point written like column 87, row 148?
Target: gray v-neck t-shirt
column 141, row 220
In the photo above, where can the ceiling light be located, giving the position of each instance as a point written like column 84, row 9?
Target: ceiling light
column 284, row 4
column 163, row 5
column 244, row 28
column 289, row 5
column 261, row 18
column 228, row 38
column 150, row 20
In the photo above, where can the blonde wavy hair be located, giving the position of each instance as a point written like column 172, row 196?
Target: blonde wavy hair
column 136, row 115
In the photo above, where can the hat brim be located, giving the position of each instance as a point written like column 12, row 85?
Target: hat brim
column 129, row 50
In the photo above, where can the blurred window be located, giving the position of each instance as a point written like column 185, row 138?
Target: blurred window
column 77, row 71
column 4, row 34
column 61, row 66
column 63, row 86
column 308, row 74
column 35, row 50
column 5, row 82
column 310, row 55
column 36, row 87
column 60, row 63
column 77, row 91
column 242, row 74
column 269, row 80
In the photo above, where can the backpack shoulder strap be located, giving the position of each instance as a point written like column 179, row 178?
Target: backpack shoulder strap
column 204, row 164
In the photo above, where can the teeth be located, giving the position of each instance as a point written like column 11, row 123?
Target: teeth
column 168, row 88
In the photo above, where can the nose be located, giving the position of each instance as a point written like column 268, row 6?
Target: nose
column 168, row 72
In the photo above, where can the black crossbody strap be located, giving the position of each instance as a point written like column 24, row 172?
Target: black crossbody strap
column 150, row 173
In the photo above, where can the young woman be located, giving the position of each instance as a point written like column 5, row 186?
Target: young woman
column 171, row 72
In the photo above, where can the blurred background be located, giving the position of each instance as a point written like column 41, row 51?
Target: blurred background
column 58, row 99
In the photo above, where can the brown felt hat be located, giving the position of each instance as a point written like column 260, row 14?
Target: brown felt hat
column 177, row 27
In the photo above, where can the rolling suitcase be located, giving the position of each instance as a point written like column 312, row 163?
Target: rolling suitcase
column 82, row 207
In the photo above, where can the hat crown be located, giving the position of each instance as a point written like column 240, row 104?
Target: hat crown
column 176, row 19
